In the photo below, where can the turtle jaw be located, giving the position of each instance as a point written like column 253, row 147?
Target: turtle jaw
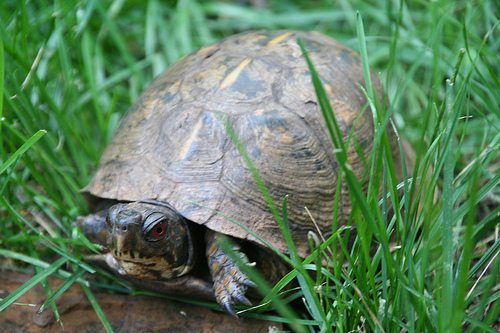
column 151, row 268
column 185, row 285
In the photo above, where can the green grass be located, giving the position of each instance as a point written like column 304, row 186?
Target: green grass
column 69, row 70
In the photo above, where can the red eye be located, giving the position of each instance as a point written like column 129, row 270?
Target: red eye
column 159, row 230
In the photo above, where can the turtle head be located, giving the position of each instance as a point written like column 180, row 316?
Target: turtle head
column 149, row 240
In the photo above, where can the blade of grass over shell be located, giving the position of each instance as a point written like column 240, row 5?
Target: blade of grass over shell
column 354, row 185
column 337, row 139
column 316, row 310
column 253, row 170
column 248, row 230
column 26, row 286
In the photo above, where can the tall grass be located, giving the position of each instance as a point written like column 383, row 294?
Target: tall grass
column 69, row 70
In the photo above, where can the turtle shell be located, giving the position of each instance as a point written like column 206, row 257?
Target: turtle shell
column 173, row 145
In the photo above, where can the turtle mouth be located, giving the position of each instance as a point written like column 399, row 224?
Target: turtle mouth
column 125, row 246
column 150, row 268
column 130, row 256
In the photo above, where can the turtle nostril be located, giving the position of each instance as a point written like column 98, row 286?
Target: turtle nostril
column 126, row 218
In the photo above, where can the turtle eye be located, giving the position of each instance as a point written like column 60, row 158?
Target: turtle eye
column 157, row 231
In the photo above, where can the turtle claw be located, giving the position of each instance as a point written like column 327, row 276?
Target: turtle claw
column 230, row 283
column 228, row 307
column 243, row 300
column 250, row 283
column 227, row 298
column 227, row 304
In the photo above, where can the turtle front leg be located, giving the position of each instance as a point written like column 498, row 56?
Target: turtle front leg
column 230, row 283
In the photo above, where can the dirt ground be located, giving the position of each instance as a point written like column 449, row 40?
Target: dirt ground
column 126, row 313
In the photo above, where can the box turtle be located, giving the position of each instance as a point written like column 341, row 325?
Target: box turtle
column 171, row 167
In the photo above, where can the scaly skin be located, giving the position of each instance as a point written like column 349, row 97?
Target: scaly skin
column 230, row 283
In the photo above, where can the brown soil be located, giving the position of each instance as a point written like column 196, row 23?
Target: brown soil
column 125, row 313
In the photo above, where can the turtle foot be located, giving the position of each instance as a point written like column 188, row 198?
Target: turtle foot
column 230, row 283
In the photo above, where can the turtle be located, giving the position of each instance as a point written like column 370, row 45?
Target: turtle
column 171, row 183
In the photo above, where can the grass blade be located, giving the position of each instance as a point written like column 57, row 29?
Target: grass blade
column 97, row 308
column 336, row 136
column 315, row 307
column 61, row 289
column 263, row 287
column 30, row 142
column 38, row 263
column 37, row 278
column 2, row 63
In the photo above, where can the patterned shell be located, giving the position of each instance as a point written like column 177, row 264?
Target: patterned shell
column 173, row 145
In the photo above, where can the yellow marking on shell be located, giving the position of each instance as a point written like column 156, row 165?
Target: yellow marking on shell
column 286, row 139
column 344, row 111
column 328, row 89
column 278, row 39
column 233, row 76
column 192, row 137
